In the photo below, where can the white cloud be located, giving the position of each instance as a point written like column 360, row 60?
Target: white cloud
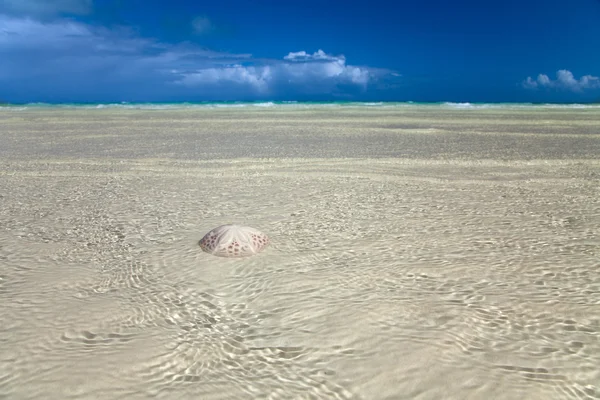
column 25, row 33
column 298, row 69
column 202, row 25
column 253, row 77
column 46, row 8
column 62, row 55
column 66, row 38
column 304, row 56
column 564, row 81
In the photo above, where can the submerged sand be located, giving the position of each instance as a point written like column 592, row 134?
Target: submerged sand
column 416, row 254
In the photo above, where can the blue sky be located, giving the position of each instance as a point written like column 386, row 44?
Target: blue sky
column 192, row 50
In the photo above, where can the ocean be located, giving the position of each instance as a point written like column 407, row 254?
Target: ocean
column 294, row 105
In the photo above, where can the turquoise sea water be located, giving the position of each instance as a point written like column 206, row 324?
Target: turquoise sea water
column 289, row 104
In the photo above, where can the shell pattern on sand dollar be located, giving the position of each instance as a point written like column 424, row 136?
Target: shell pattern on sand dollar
column 234, row 241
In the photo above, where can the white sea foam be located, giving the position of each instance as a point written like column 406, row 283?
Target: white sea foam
column 296, row 105
column 267, row 104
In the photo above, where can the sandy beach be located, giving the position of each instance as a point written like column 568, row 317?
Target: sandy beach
column 417, row 253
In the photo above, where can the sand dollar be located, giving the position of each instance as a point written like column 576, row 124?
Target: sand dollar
column 234, row 241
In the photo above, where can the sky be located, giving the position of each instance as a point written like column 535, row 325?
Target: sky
column 286, row 50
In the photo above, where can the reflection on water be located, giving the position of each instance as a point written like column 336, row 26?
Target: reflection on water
column 407, row 278
column 405, row 287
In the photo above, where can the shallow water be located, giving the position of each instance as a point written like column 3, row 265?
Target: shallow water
column 445, row 275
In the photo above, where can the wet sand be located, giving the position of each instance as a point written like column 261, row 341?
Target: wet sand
column 416, row 254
